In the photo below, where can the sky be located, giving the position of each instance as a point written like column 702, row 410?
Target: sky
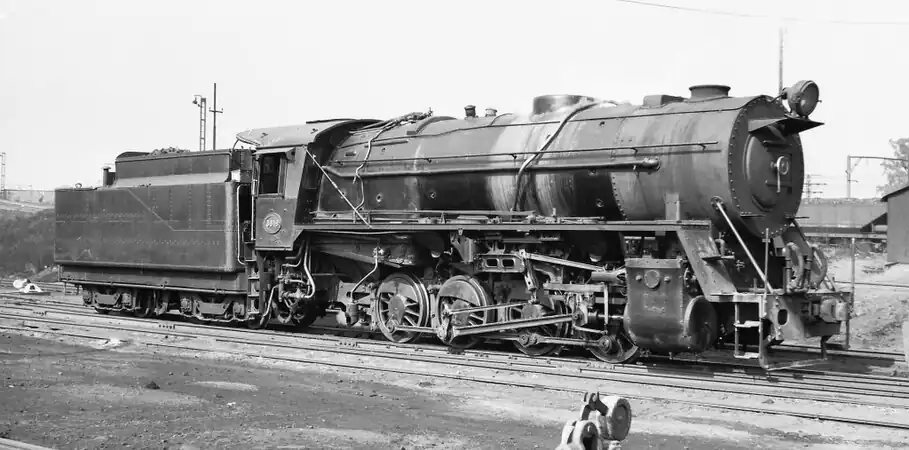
column 83, row 80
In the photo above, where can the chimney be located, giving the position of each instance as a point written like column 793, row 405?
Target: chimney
column 470, row 111
column 709, row 91
column 107, row 177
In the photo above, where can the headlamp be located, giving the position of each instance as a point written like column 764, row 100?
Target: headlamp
column 803, row 97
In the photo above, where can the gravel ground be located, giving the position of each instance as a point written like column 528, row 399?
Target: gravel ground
column 880, row 312
column 73, row 393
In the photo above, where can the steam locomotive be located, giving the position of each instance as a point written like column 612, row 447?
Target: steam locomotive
column 624, row 229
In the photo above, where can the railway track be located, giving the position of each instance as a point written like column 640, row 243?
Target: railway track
column 833, row 350
column 677, row 382
column 861, row 357
column 856, row 361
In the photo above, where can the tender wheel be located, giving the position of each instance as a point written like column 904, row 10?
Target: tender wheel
column 617, row 349
column 91, row 300
column 461, row 292
column 146, row 304
column 402, row 299
column 537, row 311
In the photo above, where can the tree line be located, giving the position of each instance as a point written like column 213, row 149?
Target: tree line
column 26, row 243
column 896, row 172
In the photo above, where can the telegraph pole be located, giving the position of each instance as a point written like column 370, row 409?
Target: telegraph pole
column 214, row 123
column 811, row 186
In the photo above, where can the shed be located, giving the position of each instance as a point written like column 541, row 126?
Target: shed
column 898, row 233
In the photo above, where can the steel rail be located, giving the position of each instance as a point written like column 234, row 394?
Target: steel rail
column 9, row 444
column 895, row 357
column 327, row 332
column 808, row 349
column 825, row 381
column 734, row 373
column 540, row 386
column 870, row 354
column 511, row 364
column 554, row 388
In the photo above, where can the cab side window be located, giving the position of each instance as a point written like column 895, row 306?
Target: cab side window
column 271, row 173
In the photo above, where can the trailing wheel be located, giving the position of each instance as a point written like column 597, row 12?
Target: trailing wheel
column 402, row 299
column 461, row 292
column 91, row 300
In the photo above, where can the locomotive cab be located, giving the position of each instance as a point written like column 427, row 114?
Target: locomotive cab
column 271, row 171
column 274, row 207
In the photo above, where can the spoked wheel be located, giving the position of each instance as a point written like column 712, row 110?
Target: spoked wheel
column 461, row 292
column 621, row 349
column 537, row 311
column 402, row 299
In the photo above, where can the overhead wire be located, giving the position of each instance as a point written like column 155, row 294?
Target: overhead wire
column 760, row 16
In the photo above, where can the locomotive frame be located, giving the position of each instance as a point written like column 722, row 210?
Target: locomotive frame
column 310, row 223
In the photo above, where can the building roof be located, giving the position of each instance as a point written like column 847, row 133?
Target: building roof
column 895, row 192
column 879, row 220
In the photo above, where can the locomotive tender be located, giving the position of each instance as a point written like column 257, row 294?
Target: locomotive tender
column 663, row 227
